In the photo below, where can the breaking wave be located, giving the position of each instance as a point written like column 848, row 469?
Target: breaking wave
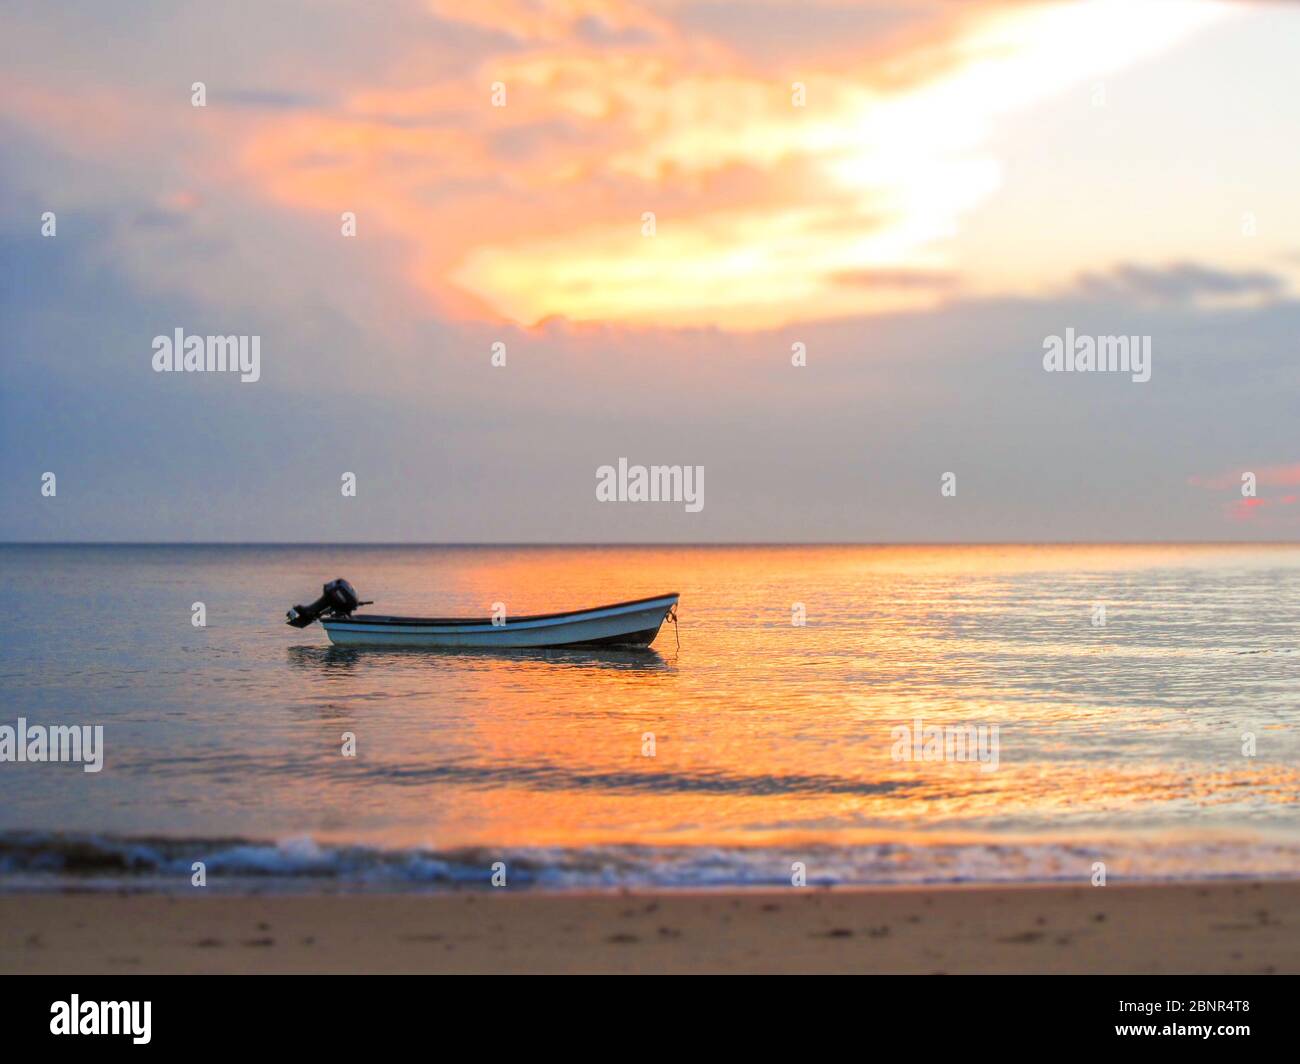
column 49, row 861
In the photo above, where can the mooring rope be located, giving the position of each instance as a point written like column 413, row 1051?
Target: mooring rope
column 672, row 616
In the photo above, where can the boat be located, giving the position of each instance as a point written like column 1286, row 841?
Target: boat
column 635, row 623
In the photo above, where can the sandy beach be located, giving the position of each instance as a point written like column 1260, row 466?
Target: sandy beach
column 1228, row 927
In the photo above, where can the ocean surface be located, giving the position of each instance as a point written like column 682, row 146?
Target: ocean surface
column 1164, row 743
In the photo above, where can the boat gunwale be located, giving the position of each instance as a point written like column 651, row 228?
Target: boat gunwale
column 382, row 620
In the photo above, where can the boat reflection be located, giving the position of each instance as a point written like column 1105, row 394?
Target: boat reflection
column 631, row 659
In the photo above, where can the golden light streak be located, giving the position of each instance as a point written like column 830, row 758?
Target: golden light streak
column 891, row 176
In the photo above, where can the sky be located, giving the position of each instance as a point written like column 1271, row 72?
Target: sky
column 816, row 249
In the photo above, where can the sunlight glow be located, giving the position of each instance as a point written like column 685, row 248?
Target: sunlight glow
column 884, row 180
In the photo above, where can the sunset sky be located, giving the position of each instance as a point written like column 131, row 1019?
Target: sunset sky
column 919, row 193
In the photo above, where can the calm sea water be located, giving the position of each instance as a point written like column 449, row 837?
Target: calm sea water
column 773, row 743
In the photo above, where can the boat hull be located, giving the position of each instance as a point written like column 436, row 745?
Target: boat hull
column 624, row 624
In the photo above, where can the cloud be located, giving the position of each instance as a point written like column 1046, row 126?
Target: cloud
column 828, row 225
column 1275, row 511
column 572, row 21
column 272, row 99
column 447, row 447
column 1183, row 282
column 924, row 279
column 767, row 194
column 1268, row 475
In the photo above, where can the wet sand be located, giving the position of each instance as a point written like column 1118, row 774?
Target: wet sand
column 1233, row 927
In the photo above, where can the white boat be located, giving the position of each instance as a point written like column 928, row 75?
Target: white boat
column 621, row 624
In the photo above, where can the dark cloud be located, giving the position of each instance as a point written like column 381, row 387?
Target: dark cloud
column 1182, row 282
column 850, row 447
column 271, row 99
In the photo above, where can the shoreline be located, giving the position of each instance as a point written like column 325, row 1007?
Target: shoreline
column 1214, row 926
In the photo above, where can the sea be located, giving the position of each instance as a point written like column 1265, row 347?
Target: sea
column 820, row 715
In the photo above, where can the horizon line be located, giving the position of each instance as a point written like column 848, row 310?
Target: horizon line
column 663, row 543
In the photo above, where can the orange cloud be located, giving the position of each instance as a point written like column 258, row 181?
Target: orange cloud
column 1266, row 476
column 1257, row 509
column 642, row 172
column 672, row 183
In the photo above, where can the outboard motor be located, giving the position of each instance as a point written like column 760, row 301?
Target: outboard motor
column 337, row 600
